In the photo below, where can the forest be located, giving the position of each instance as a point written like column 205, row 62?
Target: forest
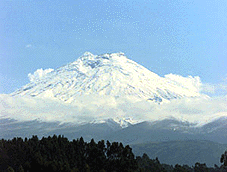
column 57, row 153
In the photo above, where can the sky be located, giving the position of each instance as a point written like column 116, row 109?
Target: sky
column 166, row 36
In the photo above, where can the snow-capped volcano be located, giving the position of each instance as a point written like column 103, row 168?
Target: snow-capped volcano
column 99, row 94
column 109, row 74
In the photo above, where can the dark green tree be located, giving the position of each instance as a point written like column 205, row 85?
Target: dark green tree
column 57, row 153
column 10, row 169
column 20, row 169
column 146, row 164
column 224, row 159
column 179, row 168
column 200, row 168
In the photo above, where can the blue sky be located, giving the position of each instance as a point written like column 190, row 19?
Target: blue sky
column 181, row 37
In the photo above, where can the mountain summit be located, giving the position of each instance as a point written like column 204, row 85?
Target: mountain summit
column 108, row 74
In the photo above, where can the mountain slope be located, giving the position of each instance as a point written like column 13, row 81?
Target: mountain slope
column 183, row 152
column 108, row 74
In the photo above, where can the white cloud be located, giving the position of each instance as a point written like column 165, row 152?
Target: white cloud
column 223, row 86
column 209, row 88
column 87, row 109
column 224, row 79
column 215, row 88
column 193, row 83
column 28, row 46
column 39, row 73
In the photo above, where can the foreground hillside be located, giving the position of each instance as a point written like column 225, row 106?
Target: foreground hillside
column 57, row 153
column 182, row 152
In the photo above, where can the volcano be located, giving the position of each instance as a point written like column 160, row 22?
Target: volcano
column 108, row 74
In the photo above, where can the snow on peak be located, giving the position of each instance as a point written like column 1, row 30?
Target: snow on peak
column 87, row 56
column 88, row 61
column 110, row 74
column 87, row 53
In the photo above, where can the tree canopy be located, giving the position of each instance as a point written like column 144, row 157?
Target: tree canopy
column 57, row 153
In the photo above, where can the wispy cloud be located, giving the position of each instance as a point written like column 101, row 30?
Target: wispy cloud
column 39, row 73
column 215, row 88
column 28, row 46
column 225, row 78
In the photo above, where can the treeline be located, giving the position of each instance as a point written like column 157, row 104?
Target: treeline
column 57, row 153
column 60, row 154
